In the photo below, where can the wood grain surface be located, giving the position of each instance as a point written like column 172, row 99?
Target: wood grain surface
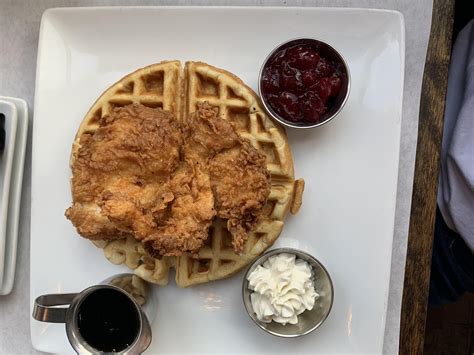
column 423, row 210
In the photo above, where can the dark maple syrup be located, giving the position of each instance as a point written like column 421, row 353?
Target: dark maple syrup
column 108, row 320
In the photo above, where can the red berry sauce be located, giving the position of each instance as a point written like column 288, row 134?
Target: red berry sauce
column 301, row 84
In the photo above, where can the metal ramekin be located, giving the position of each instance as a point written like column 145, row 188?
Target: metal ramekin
column 308, row 320
column 341, row 99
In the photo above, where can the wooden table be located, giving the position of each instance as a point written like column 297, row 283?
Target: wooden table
column 425, row 186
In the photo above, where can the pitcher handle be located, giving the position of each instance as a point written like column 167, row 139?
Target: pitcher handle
column 48, row 307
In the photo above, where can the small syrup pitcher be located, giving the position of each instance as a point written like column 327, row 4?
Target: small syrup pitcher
column 102, row 319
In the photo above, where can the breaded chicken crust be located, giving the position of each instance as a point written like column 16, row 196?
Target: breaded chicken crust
column 147, row 175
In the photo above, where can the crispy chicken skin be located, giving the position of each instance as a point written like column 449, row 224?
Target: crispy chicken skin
column 129, row 179
column 241, row 187
column 239, row 178
column 118, row 174
column 147, row 175
column 184, row 225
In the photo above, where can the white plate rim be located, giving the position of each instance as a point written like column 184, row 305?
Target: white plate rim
column 364, row 10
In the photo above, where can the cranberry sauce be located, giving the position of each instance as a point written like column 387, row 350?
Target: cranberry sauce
column 301, row 84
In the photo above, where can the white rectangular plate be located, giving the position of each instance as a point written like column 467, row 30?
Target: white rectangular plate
column 350, row 165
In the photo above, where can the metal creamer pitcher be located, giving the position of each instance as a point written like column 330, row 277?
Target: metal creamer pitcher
column 102, row 319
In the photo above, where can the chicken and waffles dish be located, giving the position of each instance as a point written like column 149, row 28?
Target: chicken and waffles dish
column 181, row 168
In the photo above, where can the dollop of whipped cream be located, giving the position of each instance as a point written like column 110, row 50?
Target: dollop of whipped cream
column 283, row 289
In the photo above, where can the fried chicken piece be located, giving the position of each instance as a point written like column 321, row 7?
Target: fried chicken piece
column 206, row 135
column 147, row 175
column 129, row 179
column 239, row 178
column 241, row 186
column 189, row 217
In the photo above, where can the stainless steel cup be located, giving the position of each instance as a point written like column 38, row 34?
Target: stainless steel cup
column 340, row 100
column 65, row 308
column 308, row 320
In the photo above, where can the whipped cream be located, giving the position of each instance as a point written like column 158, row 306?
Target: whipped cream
column 283, row 289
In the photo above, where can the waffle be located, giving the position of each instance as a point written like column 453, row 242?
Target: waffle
column 165, row 85
column 157, row 85
column 134, row 285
